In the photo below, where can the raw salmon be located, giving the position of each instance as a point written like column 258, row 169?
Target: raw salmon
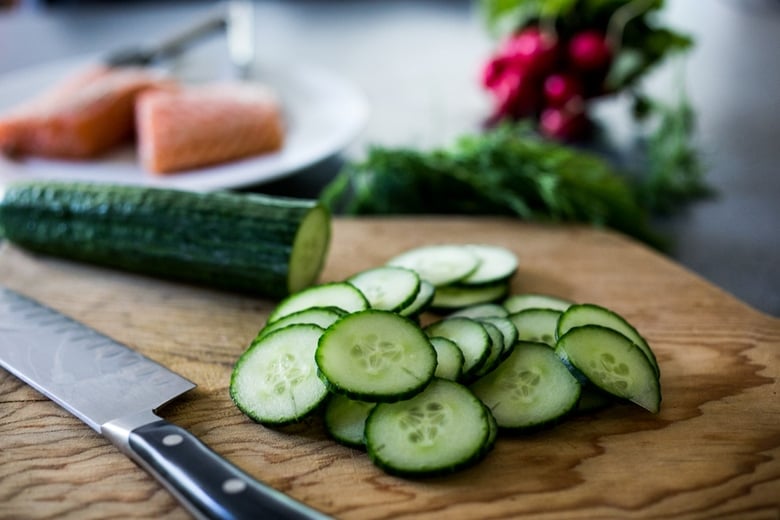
column 196, row 126
column 82, row 117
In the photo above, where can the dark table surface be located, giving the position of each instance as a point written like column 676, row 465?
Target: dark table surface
column 417, row 63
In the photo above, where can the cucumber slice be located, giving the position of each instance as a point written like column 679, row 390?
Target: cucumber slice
column 508, row 330
column 613, row 363
column 458, row 296
column 321, row 316
column 496, row 349
column 496, row 264
column 590, row 314
column 438, row 264
column 537, row 325
column 387, row 288
column 440, row 430
column 592, row 398
column 519, row 302
column 449, row 359
column 275, row 381
column 470, row 336
column 483, row 310
column 341, row 295
column 375, row 355
column 530, row 389
column 309, row 248
column 345, row 420
column 421, row 301
column 493, row 434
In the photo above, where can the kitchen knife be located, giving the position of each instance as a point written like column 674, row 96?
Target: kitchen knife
column 115, row 391
column 173, row 45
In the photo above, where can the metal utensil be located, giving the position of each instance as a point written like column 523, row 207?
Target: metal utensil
column 173, row 45
column 241, row 36
column 115, row 391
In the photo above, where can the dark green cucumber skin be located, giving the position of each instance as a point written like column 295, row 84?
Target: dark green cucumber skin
column 231, row 241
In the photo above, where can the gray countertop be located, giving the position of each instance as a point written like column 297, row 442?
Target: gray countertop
column 417, row 63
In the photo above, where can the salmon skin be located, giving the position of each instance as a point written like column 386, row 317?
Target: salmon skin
column 82, row 117
column 195, row 126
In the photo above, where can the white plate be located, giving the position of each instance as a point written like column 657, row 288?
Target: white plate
column 322, row 112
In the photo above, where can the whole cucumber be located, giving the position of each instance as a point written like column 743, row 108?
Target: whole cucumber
column 252, row 243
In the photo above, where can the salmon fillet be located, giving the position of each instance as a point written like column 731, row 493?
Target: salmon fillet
column 82, row 117
column 196, row 126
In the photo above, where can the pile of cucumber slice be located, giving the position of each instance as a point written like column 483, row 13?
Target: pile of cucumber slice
column 422, row 361
column 462, row 274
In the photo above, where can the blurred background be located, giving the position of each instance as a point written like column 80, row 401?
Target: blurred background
column 418, row 64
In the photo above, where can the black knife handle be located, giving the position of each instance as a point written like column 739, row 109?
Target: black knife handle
column 208, row 485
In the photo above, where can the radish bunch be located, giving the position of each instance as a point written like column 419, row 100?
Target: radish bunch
column 549, row 77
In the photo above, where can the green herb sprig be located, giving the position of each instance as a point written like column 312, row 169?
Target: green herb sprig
column 675, row 173
column 507, row 170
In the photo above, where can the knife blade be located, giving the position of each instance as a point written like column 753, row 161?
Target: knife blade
column 115, row 391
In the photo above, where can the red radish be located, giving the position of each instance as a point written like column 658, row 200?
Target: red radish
column 560, row 88
column 564, row 124
column 516, row 96
column 533, row 50
column 494, row 70
column 589, row 50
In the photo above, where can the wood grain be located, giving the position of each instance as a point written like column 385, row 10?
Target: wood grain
column 712, row 451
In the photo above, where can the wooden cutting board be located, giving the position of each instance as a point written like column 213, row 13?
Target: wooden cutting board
column 712, row 451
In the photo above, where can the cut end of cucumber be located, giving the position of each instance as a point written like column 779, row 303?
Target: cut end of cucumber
column 309, row 249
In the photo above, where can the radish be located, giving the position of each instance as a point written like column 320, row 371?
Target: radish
column 564, row 123
column 533, row 50
column 494, row 70
column 516, row 95
column 560, row 88
column 589, row 51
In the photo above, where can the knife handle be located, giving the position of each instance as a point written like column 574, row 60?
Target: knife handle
column 208, row 485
